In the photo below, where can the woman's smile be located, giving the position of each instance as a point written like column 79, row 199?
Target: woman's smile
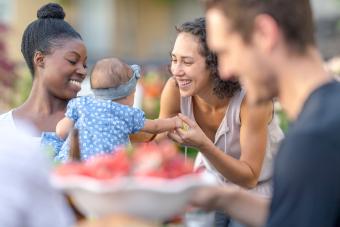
column 75, row 84
column 184, row 84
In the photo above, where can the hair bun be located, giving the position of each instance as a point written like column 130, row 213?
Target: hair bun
column 51, row 10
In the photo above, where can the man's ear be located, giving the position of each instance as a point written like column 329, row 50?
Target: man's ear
column 266, row 32
column 39, row 59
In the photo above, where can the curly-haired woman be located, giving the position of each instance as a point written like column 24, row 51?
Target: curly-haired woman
column 236, row 141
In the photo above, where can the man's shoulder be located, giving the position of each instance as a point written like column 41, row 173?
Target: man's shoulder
column 321, row 130
column 321, row 112
column 316, row 140
column 326, row 96
column 319, row 122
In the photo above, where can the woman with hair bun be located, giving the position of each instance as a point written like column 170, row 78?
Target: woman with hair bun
column 56, row 57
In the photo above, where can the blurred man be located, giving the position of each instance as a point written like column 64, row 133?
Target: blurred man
column 270, row 45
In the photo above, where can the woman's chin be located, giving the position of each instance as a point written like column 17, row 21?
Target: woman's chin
column 68, row 96
column 186, row 93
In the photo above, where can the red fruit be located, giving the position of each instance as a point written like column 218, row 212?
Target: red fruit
column 148, row 159
column 168, row 149
column 101, row 173
column 178, row 166
column 72, row 168
column 160, row 173
column 109, row 166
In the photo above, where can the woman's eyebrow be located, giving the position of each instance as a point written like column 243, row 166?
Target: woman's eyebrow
column 188, row 57
column 183, row 57
column 74, row 52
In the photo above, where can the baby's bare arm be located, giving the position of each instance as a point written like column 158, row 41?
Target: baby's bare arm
column 161, row 125
column 64, row 127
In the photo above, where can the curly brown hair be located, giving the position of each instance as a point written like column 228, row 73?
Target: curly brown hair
column 221, row 88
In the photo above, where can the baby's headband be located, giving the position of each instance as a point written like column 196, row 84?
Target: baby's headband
column 122, row 90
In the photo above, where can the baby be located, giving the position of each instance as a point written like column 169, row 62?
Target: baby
column 106, row 119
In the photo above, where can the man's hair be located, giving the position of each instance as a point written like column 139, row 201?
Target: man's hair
column 294, row 17
column 46, row 32
column 197, row 28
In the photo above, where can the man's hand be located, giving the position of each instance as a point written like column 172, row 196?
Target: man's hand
column 213, row 197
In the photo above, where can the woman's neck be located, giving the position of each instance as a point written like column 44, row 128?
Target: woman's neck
column 41, row 109
column 43, row 103
column 210, row 102
column 206, row 98
column 214, row 107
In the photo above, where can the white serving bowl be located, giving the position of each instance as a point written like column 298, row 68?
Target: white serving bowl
column 146, row 197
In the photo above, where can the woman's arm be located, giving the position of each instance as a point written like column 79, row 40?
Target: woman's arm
column 253, row 139
column 170, row 100
column 170, row 103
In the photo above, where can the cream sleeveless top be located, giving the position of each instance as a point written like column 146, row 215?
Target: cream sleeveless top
column 227, row 139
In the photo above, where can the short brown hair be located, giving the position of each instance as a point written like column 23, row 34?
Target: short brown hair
column 294, row 17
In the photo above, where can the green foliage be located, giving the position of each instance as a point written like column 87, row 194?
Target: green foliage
column 338, row 25
column 63, row 2
column 189, row 151
column 284, row 122
column 165, row 1
column 22, row 89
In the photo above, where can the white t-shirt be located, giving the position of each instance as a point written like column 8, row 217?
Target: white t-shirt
column 26, row 195
column 7, row 121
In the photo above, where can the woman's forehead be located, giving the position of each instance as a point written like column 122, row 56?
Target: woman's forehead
column 71, row 46
column 186, row 45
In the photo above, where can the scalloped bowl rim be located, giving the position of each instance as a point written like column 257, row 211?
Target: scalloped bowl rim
column 156, row 184
column 89, row 193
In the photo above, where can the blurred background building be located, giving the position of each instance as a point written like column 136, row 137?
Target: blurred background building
column 138, row 31
column 327, row 14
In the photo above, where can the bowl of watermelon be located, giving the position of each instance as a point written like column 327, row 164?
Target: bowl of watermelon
column 151, row 181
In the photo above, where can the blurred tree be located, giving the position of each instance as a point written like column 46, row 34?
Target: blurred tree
column 21, row 89
column 8, row 76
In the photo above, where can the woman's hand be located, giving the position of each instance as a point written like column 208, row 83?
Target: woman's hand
column 191, row 135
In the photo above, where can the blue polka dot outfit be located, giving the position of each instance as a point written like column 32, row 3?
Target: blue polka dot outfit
column 103, row 125
column 51, row 140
